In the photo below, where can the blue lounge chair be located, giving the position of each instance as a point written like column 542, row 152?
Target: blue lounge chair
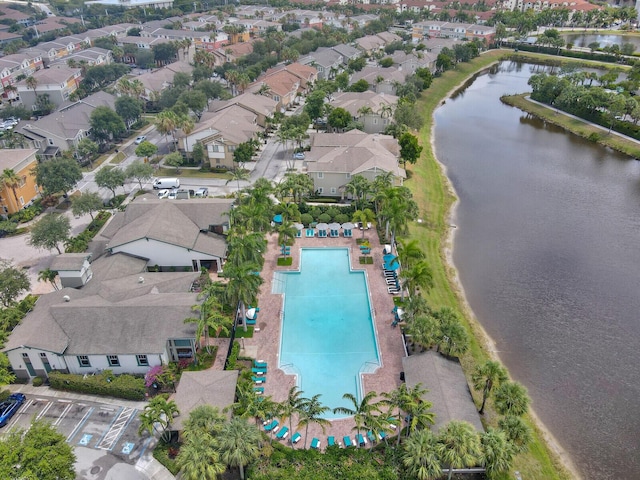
column 371, row 436
column 258, row 390
column 259, row 371
column 282, row 433
column 270, row 426
column 322, row 233
column 296, row 437
column 260, row 364
column 331, row 441
column 361, row 440
column 259, row 379
column 347, row 441
column 310, row 232
column 347, row 233
column 382, row 435
column 315, row 443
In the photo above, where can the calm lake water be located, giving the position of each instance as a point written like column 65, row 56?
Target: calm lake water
column 547, row 247
column 583, row 40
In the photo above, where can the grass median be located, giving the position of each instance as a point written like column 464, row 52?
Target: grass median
column 432, row 192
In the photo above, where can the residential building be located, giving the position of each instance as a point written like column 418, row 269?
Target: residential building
column 327, row 61
column 64, row 128
column 14, row 66
column 381, row 80
column 57, row 82
column 410, row 62
column 373, row 110
column 221, row 132
column 437, row 29
column 155, row 81
column 285, row 83
column 347, row 51
column 134, row 3
column 335, row 158
column 124, row 319
column 8, row 37
column 74, row 269
column 374, row 43
column 89, row 57
column 171, row 235
column 263, row 107
column 22, row 162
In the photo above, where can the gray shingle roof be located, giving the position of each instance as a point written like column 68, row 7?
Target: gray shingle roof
column 448, row 389
column 69, row 262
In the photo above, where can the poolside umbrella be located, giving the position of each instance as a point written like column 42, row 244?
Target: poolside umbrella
column 277, row 218
column 298, row 226
column 251, row 314
column 322, row 226
column 334, row 226
column 390, row 262
column 348, row 226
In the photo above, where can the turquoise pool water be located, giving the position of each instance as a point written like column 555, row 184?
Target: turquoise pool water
column 327, row 335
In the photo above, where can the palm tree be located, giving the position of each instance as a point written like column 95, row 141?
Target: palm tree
column 203, row 419
column 511, row 398
column 517, row 432
column 458, row 445
column 286, row 233
column 238, row 443
column 419, row 275
column 243, row 286
column 210, row 317
column 420, row 415
column 32, row 83
column 408, row 252
column 12, row 180
column 497, row 452
column 420, row 456
column 364, row 217
column 397, row 399
column 359, row 187
column 361, row 410
column 48, row 275
column 311, row 411
column 160, row 412
column 292, row 405
column 166, row 122
column 246, row 248
column 485, row 377
column 238, row 175
column 424, row 330
column 199, row 458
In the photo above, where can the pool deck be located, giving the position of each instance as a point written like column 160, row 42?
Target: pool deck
column 266, row 341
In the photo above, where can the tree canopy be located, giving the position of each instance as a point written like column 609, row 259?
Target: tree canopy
column 13, row 282
column 58, row 175
column 49, row 232
column 110, row 178
column 106, row 124
column 86, row 202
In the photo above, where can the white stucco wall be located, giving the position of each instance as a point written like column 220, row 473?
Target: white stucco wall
column 163, row 254
column 128, row 364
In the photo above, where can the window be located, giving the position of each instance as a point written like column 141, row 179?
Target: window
column 83, row 361
column 375, row 121
column 21, row 200
column 320, row 174
column 333, row 190
column 276, row 98
column 348, row 175
column 320, row 190
column 232, row 148
column 113, row 360
column 143, row 361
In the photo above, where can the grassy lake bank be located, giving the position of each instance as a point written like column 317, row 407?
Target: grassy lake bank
column 436, row 199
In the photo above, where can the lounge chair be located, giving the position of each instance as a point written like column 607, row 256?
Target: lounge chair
column 392, row 281
column 259, row 371
column 282, row 433
column 331, row 441
column 371, row 436
column 347, row 441
column 310, row 232
column 361, row 440
column 393, row 290
column 258, row 390
column 382, row 435
column 347, row 233
column 315, row 443
column 260, row 364
column 270, row 426
column 296, row 437
column 259, row 379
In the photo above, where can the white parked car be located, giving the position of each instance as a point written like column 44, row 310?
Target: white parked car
column 163, row 193
column 140, row 139
column 172, row 195
column 202, row 192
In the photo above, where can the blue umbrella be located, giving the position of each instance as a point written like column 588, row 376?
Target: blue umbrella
column 390, row 262
column 277, row 218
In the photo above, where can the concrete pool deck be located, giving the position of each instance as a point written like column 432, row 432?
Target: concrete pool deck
column 266, row 341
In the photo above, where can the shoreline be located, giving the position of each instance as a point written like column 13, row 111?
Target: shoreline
column 486, row 343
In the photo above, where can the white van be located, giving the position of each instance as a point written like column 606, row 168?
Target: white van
column 166, row 183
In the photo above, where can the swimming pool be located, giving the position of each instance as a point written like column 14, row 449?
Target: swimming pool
column 327, row 337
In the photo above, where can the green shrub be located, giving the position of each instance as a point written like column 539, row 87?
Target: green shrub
column 342, row 218
column 325, row 218
column 306, row 219
column 233, row 358
column 594, row 137
column 121, row 386
column 38, row 381
column 161, row 454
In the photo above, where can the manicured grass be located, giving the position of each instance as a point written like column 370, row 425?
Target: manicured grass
column 432, row 192
column 171, row 172
column 285, row 261
column 240, row 333
column 574, row 125
column 366, row 260
column 119, row 158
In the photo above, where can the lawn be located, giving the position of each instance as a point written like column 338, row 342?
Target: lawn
column 432, row 192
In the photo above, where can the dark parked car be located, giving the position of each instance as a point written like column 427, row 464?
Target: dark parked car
column 10, row 406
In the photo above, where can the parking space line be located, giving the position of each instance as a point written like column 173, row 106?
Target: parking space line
column 23, row 409
column 44, row 411
column 80, row 424
column 63, row 414
column 116, row 430
column 110, row 425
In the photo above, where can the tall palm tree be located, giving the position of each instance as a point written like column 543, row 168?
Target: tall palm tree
column 424, row 330
column 458, row 446
column 420, row 455
column 238, row 175
column 419, row 275
column 286, row 233
column 311, row 411
column 409, row 252
column 364, row 216
column 32, row 83
column 397, row 400
column 359, row 187
column 292, row 405
column 210, row 318
column 246, row 248
column 485, row 377
column 511, row 398
column 497, row 452
column 203, row 419
column 360, row 410
column 239, row 443
column 166, row 122
column 420, row 415
column 12, row 180
column 243, row 286
column 517, row 432
column 159, row 411
column 48, row 275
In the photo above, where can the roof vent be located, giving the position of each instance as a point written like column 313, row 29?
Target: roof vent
column 140, row 279
column 66, row 298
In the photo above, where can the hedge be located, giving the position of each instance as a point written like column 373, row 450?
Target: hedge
column 106, row 383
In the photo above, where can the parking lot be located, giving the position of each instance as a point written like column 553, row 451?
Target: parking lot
column 103, row 434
